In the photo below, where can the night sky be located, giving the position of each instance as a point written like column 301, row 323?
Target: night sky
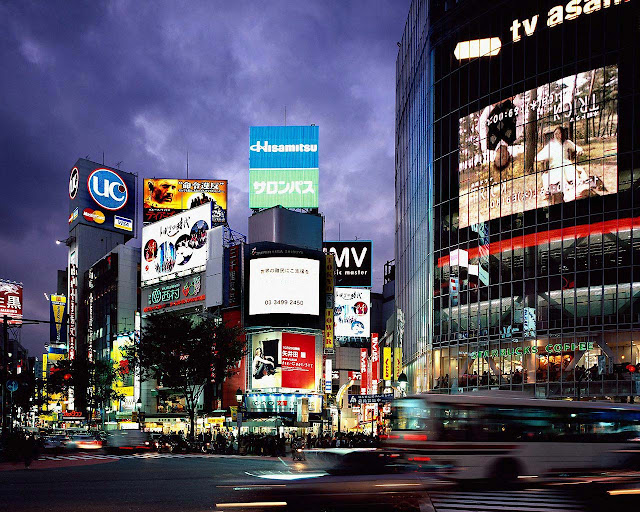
column 145, row 82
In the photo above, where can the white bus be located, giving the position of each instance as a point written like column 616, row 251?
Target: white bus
column 506, row 436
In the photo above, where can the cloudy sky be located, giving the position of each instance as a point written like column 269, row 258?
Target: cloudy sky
column 145, row 82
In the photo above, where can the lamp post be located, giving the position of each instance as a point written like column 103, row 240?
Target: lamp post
column 138, row 409
column 240, row 400
column 402, row 383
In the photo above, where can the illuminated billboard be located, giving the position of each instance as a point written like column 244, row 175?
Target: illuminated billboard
column 283, row 147
column 11, row 301
column 353, row 262
column 553, row 144
column 290, row 188
column 165, row 197
column 284, row 286
column 283, row 359
column 352, row 312
column 102, row 197
column 176, row 245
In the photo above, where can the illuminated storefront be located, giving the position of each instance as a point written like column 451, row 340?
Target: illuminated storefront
column 517, row 239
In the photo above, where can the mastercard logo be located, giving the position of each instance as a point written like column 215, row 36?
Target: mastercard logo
column 93, row 215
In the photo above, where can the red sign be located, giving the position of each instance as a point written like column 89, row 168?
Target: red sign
column 11, row 301
column 363, row 371
column 298, row 361
column 234, row 275
column 72, row 414
column 375, row 363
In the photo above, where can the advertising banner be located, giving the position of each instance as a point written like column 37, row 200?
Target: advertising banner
column 175, row 295
column 330, row 269
column 364, row 363
column 328, row 329
column 352, row 312
column 328, row 376
column 284, row 285
column 553, row 144
column 102, row 197
column 387, row 363
column 283, row 147
column 397, row 362
column 234, row 276
column 11, row 301
column 166, row 197
column 291, row 188
column 58, row 319
column 266, row 362
column 176, row 244
column 298, row 361
column 353, row 260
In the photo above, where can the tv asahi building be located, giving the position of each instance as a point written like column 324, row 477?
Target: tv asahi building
column 517, row 223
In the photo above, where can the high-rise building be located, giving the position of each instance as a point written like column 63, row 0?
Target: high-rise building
column 516, row 246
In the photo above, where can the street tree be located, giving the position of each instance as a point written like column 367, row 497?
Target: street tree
column 93, row 382
column 184, row 353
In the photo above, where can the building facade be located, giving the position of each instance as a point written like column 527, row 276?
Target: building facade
column 517, row 225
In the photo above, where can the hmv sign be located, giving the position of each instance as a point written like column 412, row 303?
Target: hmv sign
column 353, row 260
column 102, row 197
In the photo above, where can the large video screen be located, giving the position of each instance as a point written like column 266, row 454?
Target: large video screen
column 284, row 285
column 553, row 144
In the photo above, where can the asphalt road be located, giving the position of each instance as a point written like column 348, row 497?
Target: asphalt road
column 152, row 482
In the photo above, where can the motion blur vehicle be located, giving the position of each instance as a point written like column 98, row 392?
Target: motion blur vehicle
column 352, row 479
column 128, row 440
column 54, row 442
column 504, row 436
column 83, row 442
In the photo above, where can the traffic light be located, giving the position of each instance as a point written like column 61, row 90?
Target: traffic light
column 632, row 368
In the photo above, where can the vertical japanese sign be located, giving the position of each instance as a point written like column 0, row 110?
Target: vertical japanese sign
column 73, row 302
column 363, row 371
column 397, row 366
column 11, row 301
column 234, row 275
column 327, row 376
column 58, row 320
column 375, row 363
column 387, row 363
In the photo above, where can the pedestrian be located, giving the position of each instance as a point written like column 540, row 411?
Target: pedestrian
column 28, row 450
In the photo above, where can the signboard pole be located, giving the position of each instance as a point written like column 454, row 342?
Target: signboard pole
column 5, row 337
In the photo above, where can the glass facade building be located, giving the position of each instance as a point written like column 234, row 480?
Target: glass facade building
column 518, row 198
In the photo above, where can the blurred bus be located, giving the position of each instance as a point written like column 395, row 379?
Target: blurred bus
column 504, row 437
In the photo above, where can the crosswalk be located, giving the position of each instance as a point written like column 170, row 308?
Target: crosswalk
column 145, row 455
column 530, row 500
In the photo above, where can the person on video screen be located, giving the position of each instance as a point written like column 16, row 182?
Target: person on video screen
column 262, row 365
column 559, row 180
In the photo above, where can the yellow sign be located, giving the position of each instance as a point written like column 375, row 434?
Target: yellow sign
column 397, row 367
column 234, row 412
column 328, row 328
column 215, row 421
column 387, row 363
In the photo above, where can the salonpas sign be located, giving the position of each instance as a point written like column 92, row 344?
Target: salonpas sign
column 551, row 348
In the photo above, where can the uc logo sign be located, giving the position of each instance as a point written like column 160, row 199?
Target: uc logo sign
column 107, row 189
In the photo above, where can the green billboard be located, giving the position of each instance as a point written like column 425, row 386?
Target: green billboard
column 290, row 188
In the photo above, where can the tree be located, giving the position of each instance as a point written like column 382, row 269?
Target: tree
column 184, row 353
column 92, row 382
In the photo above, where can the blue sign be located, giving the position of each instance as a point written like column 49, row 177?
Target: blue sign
column 102, row 197
column 12, row 385
column 107, row 189
column 283, row 147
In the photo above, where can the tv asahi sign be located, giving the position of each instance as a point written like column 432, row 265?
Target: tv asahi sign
column 353, row 261
column 559, row 14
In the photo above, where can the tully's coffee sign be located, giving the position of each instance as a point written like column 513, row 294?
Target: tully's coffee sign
column 73, row 415
column 551, row 348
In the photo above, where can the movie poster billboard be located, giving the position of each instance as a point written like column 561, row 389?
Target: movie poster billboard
column 553, row 144
column 352, row 312
column 11, row 301
column 176, row 244
column 165, row 197
column 102, row 197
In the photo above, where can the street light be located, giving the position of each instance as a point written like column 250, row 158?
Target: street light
column 239, row 396
column 402, row 382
